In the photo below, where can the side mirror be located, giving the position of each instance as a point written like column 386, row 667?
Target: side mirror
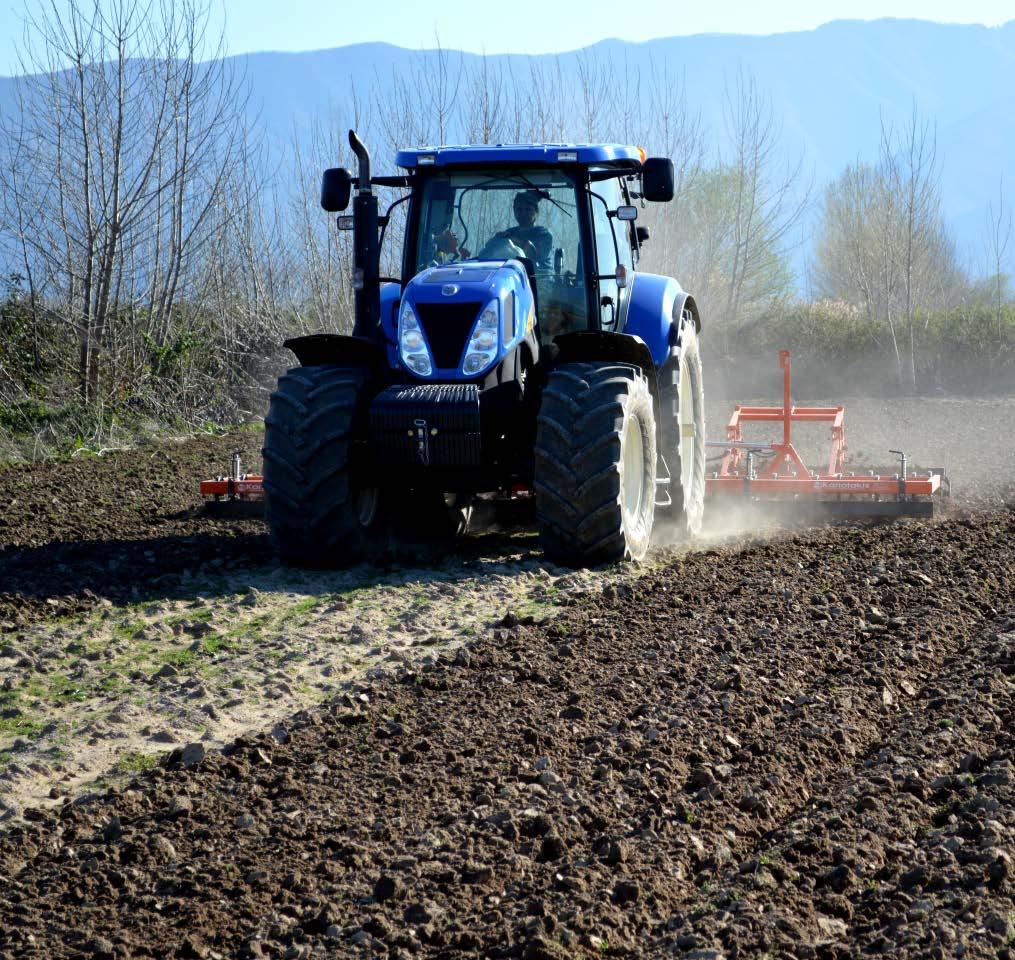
column 626, row 213
column 336, row 185
column 657, row 179
column 642, row 234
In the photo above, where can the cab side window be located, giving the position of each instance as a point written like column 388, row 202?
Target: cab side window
column 612, row 249
column 625, row 233
column 605, row 197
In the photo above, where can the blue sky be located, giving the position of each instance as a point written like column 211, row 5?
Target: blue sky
column 527, row 26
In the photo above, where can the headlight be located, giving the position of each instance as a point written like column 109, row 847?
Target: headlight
column 485, row 339
column 412, row 344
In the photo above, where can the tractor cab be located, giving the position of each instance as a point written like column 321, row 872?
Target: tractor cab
column 545, row 231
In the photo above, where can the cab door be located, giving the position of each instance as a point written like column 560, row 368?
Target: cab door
column 612, row 249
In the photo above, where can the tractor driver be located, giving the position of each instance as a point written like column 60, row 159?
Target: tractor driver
column 535, row 241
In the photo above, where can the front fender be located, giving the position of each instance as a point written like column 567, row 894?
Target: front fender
column 584, row 346
column 319, row 349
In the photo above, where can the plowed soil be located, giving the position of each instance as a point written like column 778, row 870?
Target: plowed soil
column 798, row 745
column 120, row 526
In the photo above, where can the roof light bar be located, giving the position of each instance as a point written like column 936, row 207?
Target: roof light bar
column 426, row 159
column 567, row 156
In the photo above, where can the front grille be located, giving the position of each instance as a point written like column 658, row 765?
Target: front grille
column 427, row 424
column 447, row 327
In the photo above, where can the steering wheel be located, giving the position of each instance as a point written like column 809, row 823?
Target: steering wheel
column 502, row 248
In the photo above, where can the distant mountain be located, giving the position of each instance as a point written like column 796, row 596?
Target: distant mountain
column 829, row 87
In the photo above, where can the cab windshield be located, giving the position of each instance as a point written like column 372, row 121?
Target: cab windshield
column 529, row 215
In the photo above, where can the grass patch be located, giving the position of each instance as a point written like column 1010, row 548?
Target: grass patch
column 62, row 687
column 34, row 689
column 179, row 658
column 128, row 630
column 306, row 605
column 112, row 683
column 251, row 628
column 218, row 644
column 135, row 762
column 20, row 726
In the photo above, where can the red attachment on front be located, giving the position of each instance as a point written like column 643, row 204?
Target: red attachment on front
column 785, row 473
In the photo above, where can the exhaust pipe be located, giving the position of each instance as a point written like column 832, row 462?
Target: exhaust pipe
column 366, row 249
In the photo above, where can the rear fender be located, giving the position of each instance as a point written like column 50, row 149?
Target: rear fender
column 656, row 311
column 683, row 307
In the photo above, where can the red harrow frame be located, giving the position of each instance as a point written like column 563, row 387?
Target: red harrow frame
column 239, row 494
column 784, row 479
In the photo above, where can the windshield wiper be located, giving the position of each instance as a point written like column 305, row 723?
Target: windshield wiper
column 524, row 179
column 518, row 179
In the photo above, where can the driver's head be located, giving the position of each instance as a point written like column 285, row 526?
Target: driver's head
column 526, row 207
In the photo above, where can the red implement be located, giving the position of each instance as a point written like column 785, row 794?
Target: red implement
column 775, row 471
column 238, row 494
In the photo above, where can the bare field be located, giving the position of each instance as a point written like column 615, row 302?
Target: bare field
column 743, row 746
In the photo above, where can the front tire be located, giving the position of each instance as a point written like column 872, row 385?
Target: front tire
column 318, row 512
column 595, row 469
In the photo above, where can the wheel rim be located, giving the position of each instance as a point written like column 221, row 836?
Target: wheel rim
column 685, row 418
column 634, row 468
column 366, row 505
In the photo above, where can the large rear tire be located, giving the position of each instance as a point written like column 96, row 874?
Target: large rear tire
column 595, row 468
column 318, row 513
column 682, row 443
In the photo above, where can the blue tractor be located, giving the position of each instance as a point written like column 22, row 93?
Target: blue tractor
column 519, row 353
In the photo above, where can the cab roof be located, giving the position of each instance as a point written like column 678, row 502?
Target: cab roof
column 546, row 154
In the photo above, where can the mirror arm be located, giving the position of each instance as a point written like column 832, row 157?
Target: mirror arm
column 390, row 181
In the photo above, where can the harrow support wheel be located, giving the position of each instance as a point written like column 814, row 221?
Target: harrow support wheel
column 595, row 463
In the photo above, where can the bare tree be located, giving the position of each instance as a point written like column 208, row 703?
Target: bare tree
column 421, row 106
column 486, row 102
column 999, row 224
column 542, row 104
column 595, row 98
column 882, row 243
column 127, row 121
column 672, row 129
column 910, row 159
column 767, row 200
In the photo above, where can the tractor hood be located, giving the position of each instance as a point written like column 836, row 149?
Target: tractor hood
column 455, row 322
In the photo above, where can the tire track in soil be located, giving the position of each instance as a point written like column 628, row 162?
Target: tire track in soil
column 671, row 766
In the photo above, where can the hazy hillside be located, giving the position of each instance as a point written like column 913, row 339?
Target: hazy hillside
column 828, row 86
